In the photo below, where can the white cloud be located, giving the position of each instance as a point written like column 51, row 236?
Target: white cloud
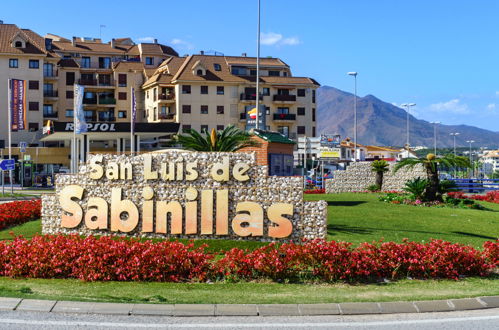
column 146, row 39
column 452, row 106
column 491, row 106
column 182, row 43
column 497, row 93
column 277, row 39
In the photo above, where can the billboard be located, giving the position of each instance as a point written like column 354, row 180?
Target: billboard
column 330, row 140
column 18, row 104
column 330, row 153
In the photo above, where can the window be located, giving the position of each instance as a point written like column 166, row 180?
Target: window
column 48, row 70
column 154, row 94
column 33, row 84
column 164, row 110
column 217, row 67
column 267, row 111
column 204, row 89
column 48, row 110
column 122, row 96
column 284, row 130
column 266, row 91
column 199, row 72
column 155, row 114
column 69, row 113
column 300, row 92
column 204, row 109
column 122, row 80
column 69, row 94
column 300, row 130
column 186, row 89
column 252, row 72
column 282, row 91
column 186, row 108
column 284, row 111
column 204, row 128
column 239, row 70
column 220, row 90
column 85, row 62
column 313, row 96
column 104, row 62
column 220, row 109
column 220, row 127
column 33, row 106
column 70, row 78
column 13, row 63
column 18, row 44
column 313, row 115
column 33, row 127
column 273, row 73
column 313, row 132
column 34, row 64
column 122, row 114
column 301, row 111
column 149, row 60
column 185, row 128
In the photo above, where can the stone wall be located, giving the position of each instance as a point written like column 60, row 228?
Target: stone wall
column 358, row 176
column 309, row 219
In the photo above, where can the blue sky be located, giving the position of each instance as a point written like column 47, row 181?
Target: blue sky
column 442, row 55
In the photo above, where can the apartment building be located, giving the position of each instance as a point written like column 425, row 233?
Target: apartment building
column 197, row 91
column 205, row 92
column 490, row 161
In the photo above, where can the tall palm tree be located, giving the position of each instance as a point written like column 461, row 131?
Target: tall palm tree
column 229, row 139
column 431, row 164
column 380, row 167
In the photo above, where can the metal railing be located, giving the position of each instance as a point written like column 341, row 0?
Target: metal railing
column 290, row 98
column 476, row 185
column 284, row 116
column 50, row 94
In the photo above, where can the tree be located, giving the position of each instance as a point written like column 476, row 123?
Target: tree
column 230, row 139
column 431, row 164
column 379, row 167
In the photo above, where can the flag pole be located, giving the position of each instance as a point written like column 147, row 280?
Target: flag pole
column 75, row 152
column 132, row 140
column 9, row 123
column 257, row 126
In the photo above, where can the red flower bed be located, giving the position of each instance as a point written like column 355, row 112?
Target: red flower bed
column 491, row 196
column 315, row 191
column 15, row 213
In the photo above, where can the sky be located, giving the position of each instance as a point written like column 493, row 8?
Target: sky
column 441, row 55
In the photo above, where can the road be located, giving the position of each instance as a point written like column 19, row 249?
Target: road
column 478, row 319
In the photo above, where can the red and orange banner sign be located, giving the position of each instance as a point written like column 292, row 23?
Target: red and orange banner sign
column 18, row 104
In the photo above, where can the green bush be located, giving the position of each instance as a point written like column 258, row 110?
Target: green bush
column 373, row 188
column 416, row 187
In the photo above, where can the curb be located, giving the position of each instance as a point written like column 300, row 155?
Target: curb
column 183, row 310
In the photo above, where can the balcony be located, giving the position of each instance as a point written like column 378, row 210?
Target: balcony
column 284, row 116
column 107, row 101
column 166, row 116
column 51, row 114
column 90, row 101
column 166, row 97
column 96, row 83
column 249, row 97
column 103, row 117
column 284, row 98
column 50, row 74
column 52, row 94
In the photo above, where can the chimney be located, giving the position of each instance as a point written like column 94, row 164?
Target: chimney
column 73, row 41
column 201, row 52
column 113, row 43
column 155, row 41
column 244, row 54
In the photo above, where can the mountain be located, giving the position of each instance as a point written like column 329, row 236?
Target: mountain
column 381, row 123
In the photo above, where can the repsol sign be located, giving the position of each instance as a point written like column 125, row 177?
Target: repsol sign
column 94, row 127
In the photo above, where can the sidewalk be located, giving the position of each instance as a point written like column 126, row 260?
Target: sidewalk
column 34, row 305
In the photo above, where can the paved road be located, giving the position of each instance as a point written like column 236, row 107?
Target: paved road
column 478, row 319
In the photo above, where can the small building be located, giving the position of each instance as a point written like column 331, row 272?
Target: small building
column 275, row 151
column 375, row 152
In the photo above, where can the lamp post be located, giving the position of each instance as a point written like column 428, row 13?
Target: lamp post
column 454, row 136
column 407, row 106
column 257, row 105
column 435, row 123
column 471, row 157
column 354, row 74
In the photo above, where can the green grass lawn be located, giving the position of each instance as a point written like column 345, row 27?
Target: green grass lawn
column 245, row 293
column 352, row 217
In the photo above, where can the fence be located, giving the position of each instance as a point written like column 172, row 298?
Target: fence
column 476, row 185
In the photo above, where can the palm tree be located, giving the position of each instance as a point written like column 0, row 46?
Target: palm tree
column 379, row 167
column 229, row 139
column 431, row 164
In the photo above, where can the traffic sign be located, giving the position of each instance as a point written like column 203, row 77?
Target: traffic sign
column 23, row 146
column 8, row 164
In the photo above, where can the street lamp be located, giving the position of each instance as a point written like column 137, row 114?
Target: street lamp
column 471, row 157
column 454, row 135
column 354, row 74
column 435, row 123
column 407, row 106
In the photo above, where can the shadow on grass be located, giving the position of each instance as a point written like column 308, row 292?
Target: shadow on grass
column 334, row 229
column 474, row 235
column 344, row 203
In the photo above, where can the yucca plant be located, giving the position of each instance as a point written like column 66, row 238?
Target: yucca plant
column 230, row 139
column 380, row 167
column 431, row 164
